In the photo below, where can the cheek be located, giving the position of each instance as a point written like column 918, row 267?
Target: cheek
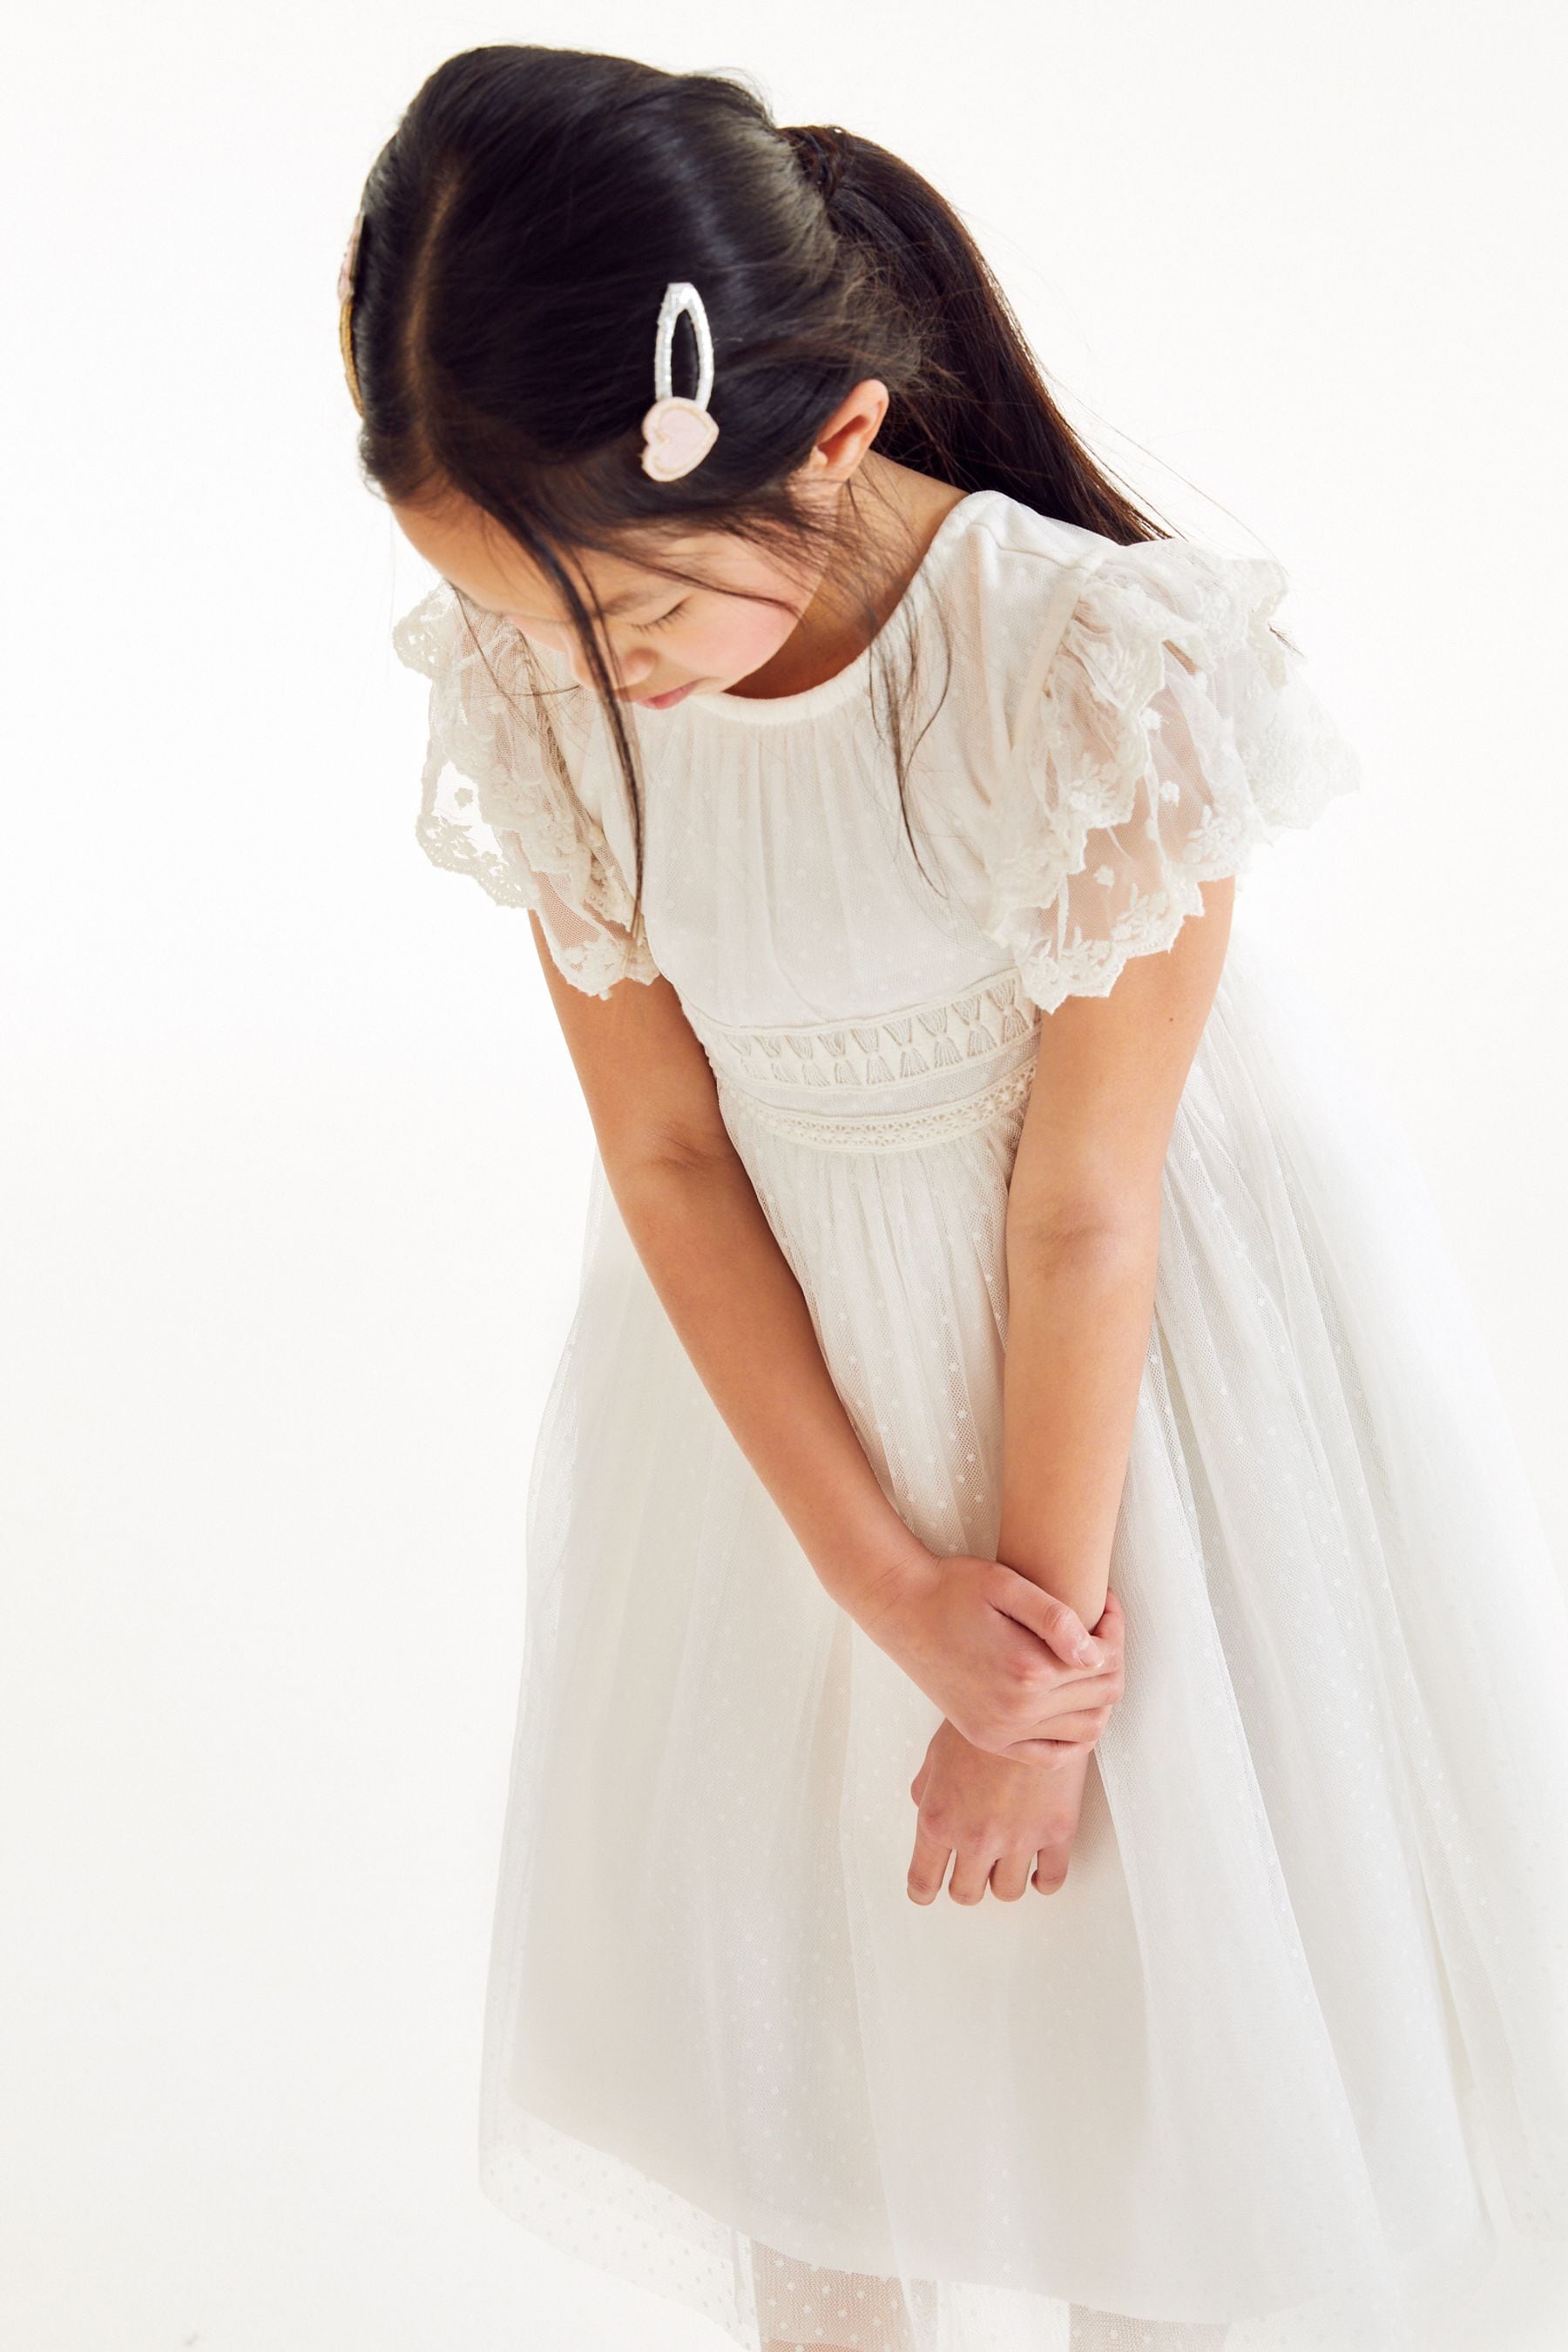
column 728, row 642
column 737, row 639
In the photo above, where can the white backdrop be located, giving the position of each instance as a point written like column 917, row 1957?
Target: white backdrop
column 294, row 1162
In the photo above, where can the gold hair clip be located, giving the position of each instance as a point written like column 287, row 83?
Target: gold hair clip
column 345, row 308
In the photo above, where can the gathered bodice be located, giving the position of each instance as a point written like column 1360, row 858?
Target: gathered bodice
column 906, row 1077
column 1093, row 730
column 844, row 988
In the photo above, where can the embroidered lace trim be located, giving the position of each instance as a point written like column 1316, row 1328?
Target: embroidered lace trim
column 899, row 1131
column 1175, row 731
column 502, row 792
column 946, row 1032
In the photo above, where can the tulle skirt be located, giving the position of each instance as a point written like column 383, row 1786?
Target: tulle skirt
column 1284, row 2063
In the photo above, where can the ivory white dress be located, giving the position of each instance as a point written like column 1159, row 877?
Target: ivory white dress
column 1285, row 2063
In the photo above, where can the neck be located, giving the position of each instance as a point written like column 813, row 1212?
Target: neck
column 893, row 514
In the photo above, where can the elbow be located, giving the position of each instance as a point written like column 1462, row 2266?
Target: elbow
column 1103, row 1226
column 655, row 1158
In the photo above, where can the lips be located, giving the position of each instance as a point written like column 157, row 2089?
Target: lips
column 665, row 701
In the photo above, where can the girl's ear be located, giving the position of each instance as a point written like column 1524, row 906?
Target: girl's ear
column 847, row 434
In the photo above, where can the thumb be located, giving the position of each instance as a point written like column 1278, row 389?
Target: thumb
column 1060, row 1628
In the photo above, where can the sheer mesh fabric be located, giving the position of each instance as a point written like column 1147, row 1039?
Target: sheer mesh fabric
column 1283, row 2066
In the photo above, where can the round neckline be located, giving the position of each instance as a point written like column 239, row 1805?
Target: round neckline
column 773, row 709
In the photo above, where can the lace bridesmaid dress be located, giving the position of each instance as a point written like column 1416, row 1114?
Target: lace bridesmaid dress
column 1285, row 2063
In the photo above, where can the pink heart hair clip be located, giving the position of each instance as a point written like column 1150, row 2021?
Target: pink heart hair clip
column 678, row 434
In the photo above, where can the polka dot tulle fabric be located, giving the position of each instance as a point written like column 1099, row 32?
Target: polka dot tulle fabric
column 1283, row 2066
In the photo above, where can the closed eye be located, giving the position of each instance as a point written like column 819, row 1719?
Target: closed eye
column 665, row 619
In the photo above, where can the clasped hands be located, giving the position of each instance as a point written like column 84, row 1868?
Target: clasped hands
column 1025, row 1689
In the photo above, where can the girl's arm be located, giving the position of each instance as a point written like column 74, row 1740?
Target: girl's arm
column 695, row 1220
column 1000, row 1656
column 1083, row 1230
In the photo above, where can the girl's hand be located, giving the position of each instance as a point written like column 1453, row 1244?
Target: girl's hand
column 1004, row 1660
column 997, row 1821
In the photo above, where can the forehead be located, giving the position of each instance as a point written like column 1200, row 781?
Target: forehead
column 466, row 545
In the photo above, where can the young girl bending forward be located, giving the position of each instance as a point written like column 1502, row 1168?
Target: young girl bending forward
column 1020, row 1434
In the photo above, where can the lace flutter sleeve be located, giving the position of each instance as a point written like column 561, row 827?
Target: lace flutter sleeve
column 1173, row 730
column 516, row 765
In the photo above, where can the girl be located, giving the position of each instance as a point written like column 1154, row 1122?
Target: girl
column 982, row 1243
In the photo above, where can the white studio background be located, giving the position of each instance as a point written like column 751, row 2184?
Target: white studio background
column 294, row 1161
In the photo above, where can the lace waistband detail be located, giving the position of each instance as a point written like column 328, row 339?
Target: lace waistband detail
column 897, row 1131
column 913, row 1042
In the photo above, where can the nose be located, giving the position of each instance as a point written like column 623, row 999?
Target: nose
column 634, row 668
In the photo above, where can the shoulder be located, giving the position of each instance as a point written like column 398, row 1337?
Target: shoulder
column 1021, row 565
column 1055, row 627
column 1131, row 725
column 1027, row 584
column 1010, row 547
column 1012, row 570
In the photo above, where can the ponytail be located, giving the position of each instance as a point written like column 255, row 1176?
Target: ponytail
column 978, row 414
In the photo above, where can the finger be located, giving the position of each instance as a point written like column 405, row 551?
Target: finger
column 1060, row 1628
column 1051, row 1866
column 1086, row 1691
column 1010, row 1876
column 1085, row 1723
column 971, row 1874
column 1111, row 1628
column 928, row 1868
column 1046, row 1751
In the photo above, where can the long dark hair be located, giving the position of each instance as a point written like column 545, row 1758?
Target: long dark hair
column 520, row 229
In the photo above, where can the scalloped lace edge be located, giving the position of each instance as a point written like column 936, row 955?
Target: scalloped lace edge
column 1111, row 657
